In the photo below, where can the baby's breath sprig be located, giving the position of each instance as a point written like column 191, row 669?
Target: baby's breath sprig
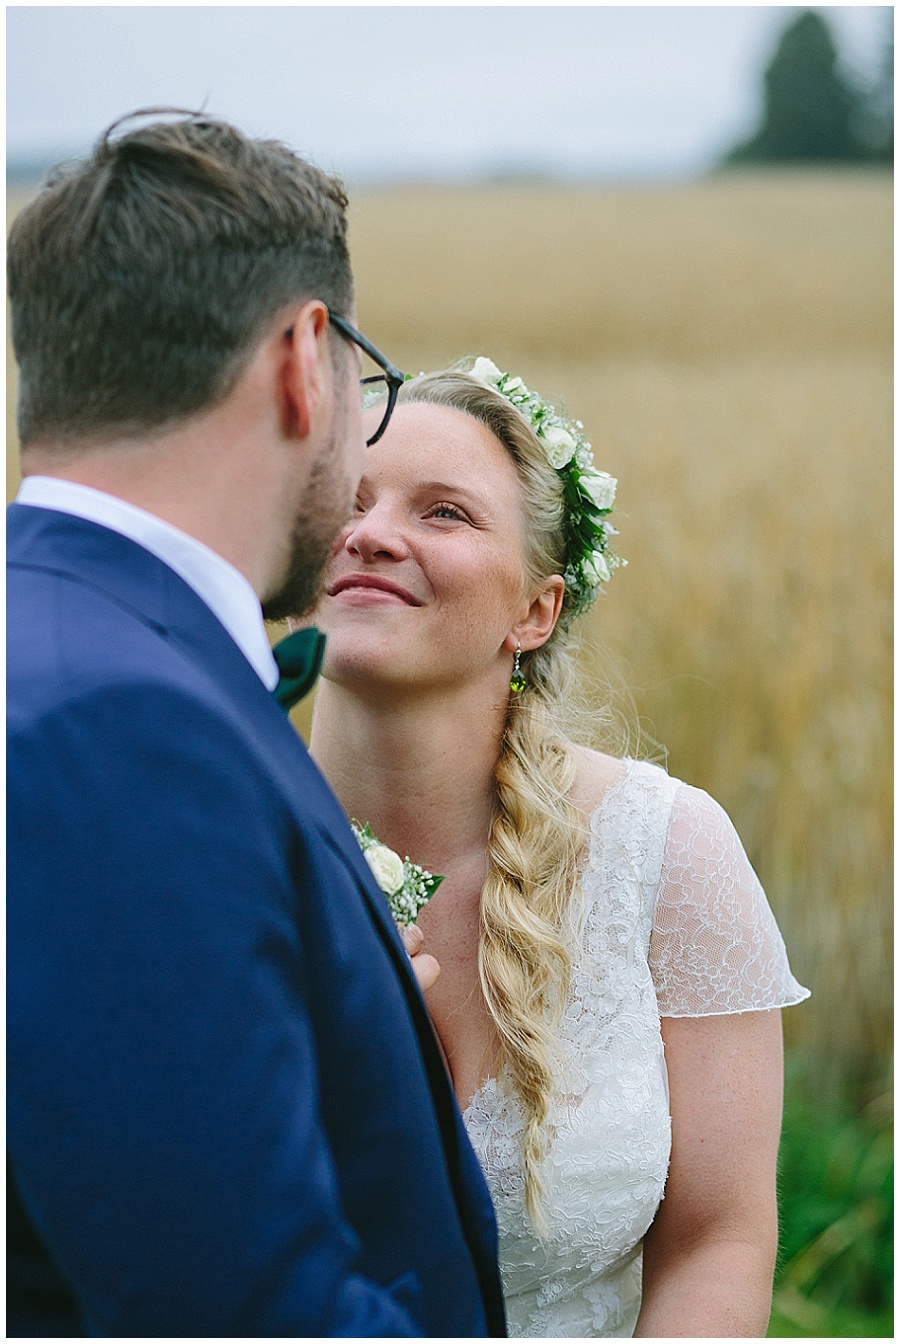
column 407, row 885
column 588, row 494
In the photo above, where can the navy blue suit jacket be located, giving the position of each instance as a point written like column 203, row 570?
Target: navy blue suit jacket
column 227, row 1111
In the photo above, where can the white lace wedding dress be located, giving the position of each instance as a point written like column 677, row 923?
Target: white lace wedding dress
column 675, row 924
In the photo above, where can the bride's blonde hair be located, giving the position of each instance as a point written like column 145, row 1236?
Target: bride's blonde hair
column 537, row 836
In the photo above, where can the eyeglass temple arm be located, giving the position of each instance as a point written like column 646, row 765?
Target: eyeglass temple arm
column 393, row 374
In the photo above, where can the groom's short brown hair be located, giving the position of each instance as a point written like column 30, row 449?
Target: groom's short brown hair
column 141, row 278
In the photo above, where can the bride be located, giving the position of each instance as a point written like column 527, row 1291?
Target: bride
column 601, row 964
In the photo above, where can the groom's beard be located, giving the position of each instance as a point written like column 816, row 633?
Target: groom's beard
column 326, row 507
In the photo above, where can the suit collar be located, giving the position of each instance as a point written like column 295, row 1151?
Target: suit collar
column 133, row 577
column 223, row 588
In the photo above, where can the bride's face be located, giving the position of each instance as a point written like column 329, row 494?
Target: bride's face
column 427, row 578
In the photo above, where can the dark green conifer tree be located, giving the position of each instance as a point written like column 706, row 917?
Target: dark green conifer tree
column 877, row 126
column 811, row 110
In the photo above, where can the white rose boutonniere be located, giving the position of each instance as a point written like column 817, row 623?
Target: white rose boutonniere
column 407, row 885
column 387, row 868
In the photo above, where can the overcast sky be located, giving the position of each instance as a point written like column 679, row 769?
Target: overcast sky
column 419, row 91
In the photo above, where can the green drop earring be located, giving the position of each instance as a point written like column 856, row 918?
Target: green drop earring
column 517, row 681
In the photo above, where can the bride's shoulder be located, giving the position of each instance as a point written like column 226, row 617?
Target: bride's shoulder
column 598, row 774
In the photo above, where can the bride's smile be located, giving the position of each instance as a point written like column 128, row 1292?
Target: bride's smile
column 362, row 588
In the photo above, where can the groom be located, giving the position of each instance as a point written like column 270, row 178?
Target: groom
column 227, row 1111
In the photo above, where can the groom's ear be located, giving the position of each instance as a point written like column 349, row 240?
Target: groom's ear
column 304, row 370
column 543, row 613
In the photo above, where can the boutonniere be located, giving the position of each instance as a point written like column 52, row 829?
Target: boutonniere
column 407, row 885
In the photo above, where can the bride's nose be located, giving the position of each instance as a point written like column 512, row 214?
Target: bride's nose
column 376, row 533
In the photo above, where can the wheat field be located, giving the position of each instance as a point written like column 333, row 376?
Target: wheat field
column 728, row 345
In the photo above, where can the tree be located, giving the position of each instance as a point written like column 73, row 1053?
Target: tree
column 877, row 124
column 811, row 110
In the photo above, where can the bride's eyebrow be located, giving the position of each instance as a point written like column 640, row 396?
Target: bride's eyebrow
column 455, row 491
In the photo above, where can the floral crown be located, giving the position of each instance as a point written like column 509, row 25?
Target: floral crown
column 588, row 494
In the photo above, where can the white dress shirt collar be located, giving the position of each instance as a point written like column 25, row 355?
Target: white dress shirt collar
column 226, row 591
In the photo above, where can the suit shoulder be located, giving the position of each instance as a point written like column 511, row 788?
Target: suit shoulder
column 68, row 641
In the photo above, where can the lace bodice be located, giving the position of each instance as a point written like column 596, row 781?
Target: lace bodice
column 674, row 923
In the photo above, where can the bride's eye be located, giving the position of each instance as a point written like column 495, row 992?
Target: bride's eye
column 446, row 511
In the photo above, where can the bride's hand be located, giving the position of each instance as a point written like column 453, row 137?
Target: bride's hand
column 425, row 967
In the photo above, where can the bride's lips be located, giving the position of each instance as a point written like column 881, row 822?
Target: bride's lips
column 373, row 583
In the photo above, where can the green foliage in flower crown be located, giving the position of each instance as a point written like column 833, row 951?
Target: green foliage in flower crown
column 588, row 494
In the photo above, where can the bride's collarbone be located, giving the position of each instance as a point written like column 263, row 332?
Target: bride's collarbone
column 473, row 1057
column 456, row 1001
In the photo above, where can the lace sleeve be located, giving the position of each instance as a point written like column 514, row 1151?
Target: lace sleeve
column 715, row 946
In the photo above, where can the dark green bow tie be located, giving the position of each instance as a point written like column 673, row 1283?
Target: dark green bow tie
column 299, row 658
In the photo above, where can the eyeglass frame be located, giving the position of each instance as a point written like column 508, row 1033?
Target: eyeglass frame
column 391, row 375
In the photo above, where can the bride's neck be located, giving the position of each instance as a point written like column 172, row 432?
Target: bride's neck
column 421, row 773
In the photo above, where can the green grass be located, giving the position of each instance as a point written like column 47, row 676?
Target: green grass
column 836, row 1169
column 831, row 1325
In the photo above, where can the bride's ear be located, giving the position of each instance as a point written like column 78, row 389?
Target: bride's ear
column 538, row 625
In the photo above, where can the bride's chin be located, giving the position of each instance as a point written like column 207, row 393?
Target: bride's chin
column 358, row 669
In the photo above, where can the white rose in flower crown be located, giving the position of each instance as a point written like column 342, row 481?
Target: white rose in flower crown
column 600, row 486
column 486, row 371
column 387, row 868
column 560, row 446
column 596, row 570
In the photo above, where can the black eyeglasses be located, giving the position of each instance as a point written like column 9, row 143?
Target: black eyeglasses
column 392, row 378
